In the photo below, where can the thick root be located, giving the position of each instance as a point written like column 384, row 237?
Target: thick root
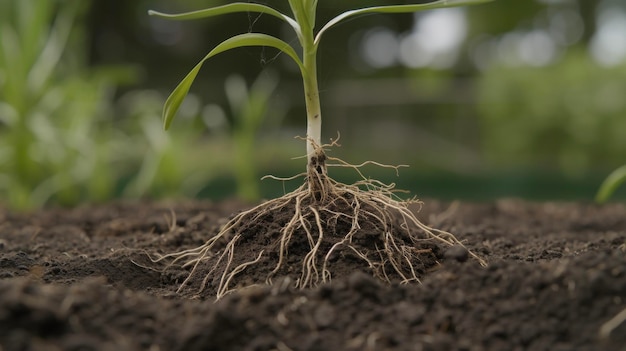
column 314, row 228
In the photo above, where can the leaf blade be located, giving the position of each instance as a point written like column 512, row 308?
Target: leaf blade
column 610, row 184
column 173, row 102
column 394, row 9
column 237, row 7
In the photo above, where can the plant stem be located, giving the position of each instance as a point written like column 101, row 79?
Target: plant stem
column 313, row 109
column 304, row 11
column 311, row 91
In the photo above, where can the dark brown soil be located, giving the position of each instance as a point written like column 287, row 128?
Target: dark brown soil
column 79, row 280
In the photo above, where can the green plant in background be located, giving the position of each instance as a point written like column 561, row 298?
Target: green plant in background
column 248, row 108
column 59, row 140
column 566, row 117
column 51, row 107
column 319, row 204
column 174, row 164
column 155, row 166
column 610, row 184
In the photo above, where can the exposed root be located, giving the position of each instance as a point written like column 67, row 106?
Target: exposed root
column 321, row 223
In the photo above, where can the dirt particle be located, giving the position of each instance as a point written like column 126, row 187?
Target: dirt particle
column 324, row 315
column 362, row 282
column 409, row 313
column 5, row 275
column 457, row 253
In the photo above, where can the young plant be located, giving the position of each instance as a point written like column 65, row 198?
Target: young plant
column 318, row 210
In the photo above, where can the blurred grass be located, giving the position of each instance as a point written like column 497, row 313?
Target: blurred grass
column 61, row 138
column 52, row 127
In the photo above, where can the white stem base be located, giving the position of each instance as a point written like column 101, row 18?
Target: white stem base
column 314, row 135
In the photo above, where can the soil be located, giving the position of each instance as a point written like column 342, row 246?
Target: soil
column 80, row 279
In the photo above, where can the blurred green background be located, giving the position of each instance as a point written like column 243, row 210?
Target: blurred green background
column 508, row 99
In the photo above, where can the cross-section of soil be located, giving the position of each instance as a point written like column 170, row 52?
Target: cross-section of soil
column 81, row 279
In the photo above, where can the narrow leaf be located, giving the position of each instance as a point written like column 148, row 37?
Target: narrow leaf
column 237, row 7
column 395, row 9
column 610, row 184
column 248, row 39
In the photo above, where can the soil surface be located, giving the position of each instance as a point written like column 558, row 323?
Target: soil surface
column 80, row 279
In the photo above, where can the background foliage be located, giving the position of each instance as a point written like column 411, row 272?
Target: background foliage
column 524, row 99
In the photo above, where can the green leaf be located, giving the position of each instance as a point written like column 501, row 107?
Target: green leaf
column 226, row 9
column 610, row 184
column 395, row 9
column 248, row 39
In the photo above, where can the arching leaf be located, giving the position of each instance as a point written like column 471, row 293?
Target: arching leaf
column 248, row 39
column 226, row 9
column 394, row 9
column 610, row 184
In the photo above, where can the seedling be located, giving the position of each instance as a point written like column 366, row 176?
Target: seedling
column 330, row 216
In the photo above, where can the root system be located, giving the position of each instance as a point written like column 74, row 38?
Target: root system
column 307, row 232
